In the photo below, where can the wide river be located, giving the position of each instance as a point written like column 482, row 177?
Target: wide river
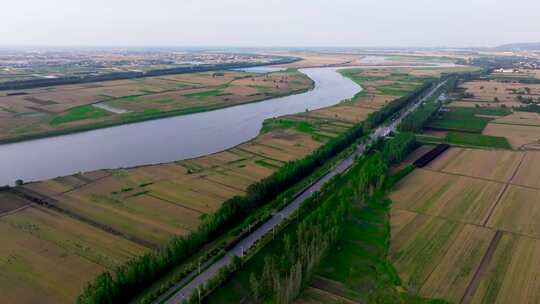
column 166, row 139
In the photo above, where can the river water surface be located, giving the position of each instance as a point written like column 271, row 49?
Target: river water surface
column 166, row 139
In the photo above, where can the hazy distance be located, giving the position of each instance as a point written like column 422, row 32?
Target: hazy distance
column 261, row 23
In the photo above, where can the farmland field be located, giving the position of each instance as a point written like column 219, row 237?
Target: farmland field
column 520, row 118
column 465, row 228
column 384, row 83
column 512, row 274
column 10, row 202
column 449, row 196
column 466, row 119
column 495, row 93
column 519, row 136
column 528, row 175
column 488, row 164
column 478, row 140
column 52, row 256
column 518, row 211
column 495, row 108
column 437, row 258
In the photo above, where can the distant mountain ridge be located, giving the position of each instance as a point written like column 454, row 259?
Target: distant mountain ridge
column 519, row 46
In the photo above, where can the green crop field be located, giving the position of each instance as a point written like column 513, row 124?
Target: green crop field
column 79, row 113
column 466, row 119
column 477, row 140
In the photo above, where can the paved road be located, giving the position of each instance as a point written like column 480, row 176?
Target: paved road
column 275, row 220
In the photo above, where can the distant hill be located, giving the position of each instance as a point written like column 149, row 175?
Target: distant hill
column 519, row 46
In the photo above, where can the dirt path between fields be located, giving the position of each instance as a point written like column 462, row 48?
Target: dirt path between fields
column 501, row 194
column 486, row 259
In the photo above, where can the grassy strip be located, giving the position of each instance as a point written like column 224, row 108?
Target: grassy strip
column 478, row 140
column 218, row 91
column 284, row 123
column 430, row 139
column 79, row 113
column 466, row 139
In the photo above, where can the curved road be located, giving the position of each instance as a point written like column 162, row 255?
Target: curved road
column 238, row 250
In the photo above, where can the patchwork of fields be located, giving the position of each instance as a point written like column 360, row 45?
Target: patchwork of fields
column 496, row 112
column 491, row 101
column 43, row 110
column 495, row 93
column 465, row 228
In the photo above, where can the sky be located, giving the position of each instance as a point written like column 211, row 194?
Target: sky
column 269, row 23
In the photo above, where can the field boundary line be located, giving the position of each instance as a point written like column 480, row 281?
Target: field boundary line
column 464, row 175
column 318, row 282
column 518, row 234
column 478, row 178
column 486, row 259
column 442, row 217
column 514, row 124
column 517, row 167
column 223, row 184
column 50, row 203
column 30, row 204
column 260, row 155
column 175, row 203
column 342, row 300
column 495, row 204
column 83, row 185
column 505, row 188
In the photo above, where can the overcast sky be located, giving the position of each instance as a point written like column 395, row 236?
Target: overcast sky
column 268, row 22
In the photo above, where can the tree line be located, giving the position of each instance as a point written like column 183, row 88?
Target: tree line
column 284, row 274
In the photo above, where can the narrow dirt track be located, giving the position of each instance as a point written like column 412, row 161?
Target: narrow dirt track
column 486, row 259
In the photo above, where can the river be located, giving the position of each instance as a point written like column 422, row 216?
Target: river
column 163, row 140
